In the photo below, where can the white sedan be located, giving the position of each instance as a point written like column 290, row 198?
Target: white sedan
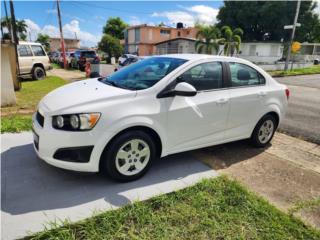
column 158, row 106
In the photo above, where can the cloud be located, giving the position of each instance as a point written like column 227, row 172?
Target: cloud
column 55, row 12
column 70, row 30
column 190, row 15
column 134, row 21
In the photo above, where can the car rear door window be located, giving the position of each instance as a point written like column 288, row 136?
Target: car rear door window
column 243, row 75
column 37, row 50
column 24, row 51
column 205, row 76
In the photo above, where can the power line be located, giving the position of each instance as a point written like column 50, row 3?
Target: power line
column 112, row 9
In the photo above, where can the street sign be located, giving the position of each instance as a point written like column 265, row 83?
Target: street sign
column 296, row 46
column 291, row 26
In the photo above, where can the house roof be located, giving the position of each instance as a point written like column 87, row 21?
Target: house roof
column 175, row 39
column 66, row 39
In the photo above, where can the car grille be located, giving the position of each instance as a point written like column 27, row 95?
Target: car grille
column 40, row 119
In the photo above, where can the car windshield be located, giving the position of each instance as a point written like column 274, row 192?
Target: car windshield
column 88, row 54
column 143, row 74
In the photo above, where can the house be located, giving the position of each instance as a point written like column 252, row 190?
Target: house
column 69, row 43
column 258, row 52
column 141, row 39
column 261, row 52
column 308, row 52
column 176, row 45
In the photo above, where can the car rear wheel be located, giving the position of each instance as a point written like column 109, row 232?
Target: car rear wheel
column 264, row 131
column 38, row 73
column 129, row 156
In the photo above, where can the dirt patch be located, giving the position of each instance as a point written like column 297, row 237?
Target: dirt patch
column 70, row 75
column 286, row 173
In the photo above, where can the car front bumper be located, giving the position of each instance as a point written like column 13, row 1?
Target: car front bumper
column 47, row 141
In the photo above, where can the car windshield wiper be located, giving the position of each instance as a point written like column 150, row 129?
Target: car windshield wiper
column 114, row 84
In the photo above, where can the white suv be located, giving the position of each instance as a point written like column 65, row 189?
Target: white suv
column 156, row 107
column 33, row 60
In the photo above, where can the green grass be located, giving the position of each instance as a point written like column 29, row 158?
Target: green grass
column 18, row 118
column 16, row 123
column 213, row 209
column 299, row 71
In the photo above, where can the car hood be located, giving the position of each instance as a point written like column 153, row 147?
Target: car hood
column 80, row 93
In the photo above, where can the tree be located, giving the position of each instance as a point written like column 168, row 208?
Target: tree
column 208, row 39
column 231, row 40
column 21, row 28
column 111, row 46
column 44, row 40
column 259, row 19
column 115, row 27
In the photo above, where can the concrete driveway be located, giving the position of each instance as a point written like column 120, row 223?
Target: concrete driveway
column 34, row 193
column 303, row 116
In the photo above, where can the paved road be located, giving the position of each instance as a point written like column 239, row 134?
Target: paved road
column 34, row 193
column 303, row 116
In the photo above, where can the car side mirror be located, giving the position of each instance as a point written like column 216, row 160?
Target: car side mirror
column 181, row 89
column 185, row 89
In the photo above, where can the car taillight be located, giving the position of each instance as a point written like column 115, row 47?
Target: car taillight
column 287, row 93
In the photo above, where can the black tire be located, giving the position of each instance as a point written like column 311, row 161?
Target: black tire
column 108, row 159
column 38, row 73
column 255, row 139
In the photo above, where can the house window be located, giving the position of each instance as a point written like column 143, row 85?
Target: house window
column 179, row 34
column 274, row 50
column 137, row 35
column 165, row 32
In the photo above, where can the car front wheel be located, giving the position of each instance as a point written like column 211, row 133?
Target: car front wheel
column 38, row 73
column 129, row 156
column 264, row 131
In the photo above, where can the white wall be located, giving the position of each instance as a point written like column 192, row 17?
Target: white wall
column 261, row 52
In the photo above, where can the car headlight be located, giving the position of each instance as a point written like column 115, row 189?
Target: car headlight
column 75, row 122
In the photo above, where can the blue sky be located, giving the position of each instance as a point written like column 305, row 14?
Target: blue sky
column 86, row 18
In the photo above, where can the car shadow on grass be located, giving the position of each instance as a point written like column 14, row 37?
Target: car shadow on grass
column 29, row 184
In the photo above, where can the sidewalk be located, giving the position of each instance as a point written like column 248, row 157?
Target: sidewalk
column 35, row 193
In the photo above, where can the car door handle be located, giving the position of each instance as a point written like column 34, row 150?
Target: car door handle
column 262, row 94
column 222, row 101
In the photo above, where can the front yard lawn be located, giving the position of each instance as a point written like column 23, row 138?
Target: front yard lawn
column 18, row 118
column 300, row 71
column 219, row 208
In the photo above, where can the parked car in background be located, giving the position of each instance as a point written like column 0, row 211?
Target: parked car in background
column 33, row 60
column 69, row 57
column 158, row 106
column 129, row 61
column 52, row 55
column 124, row 57
column 82, row 56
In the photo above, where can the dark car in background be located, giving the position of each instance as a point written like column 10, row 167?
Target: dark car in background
column 81, row 57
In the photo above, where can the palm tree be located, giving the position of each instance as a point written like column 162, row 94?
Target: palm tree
column 44, row 40
column 231, row 40
column 208, row 39
column 21, row 27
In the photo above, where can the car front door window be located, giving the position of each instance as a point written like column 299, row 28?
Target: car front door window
column 205, row 76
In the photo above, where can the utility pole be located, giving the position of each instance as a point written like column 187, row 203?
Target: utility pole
column 292, row 35
column 15, row 42
column 61, row 36
column 7, row 19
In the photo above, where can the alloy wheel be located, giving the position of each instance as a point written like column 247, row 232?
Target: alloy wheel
column 132, row 157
